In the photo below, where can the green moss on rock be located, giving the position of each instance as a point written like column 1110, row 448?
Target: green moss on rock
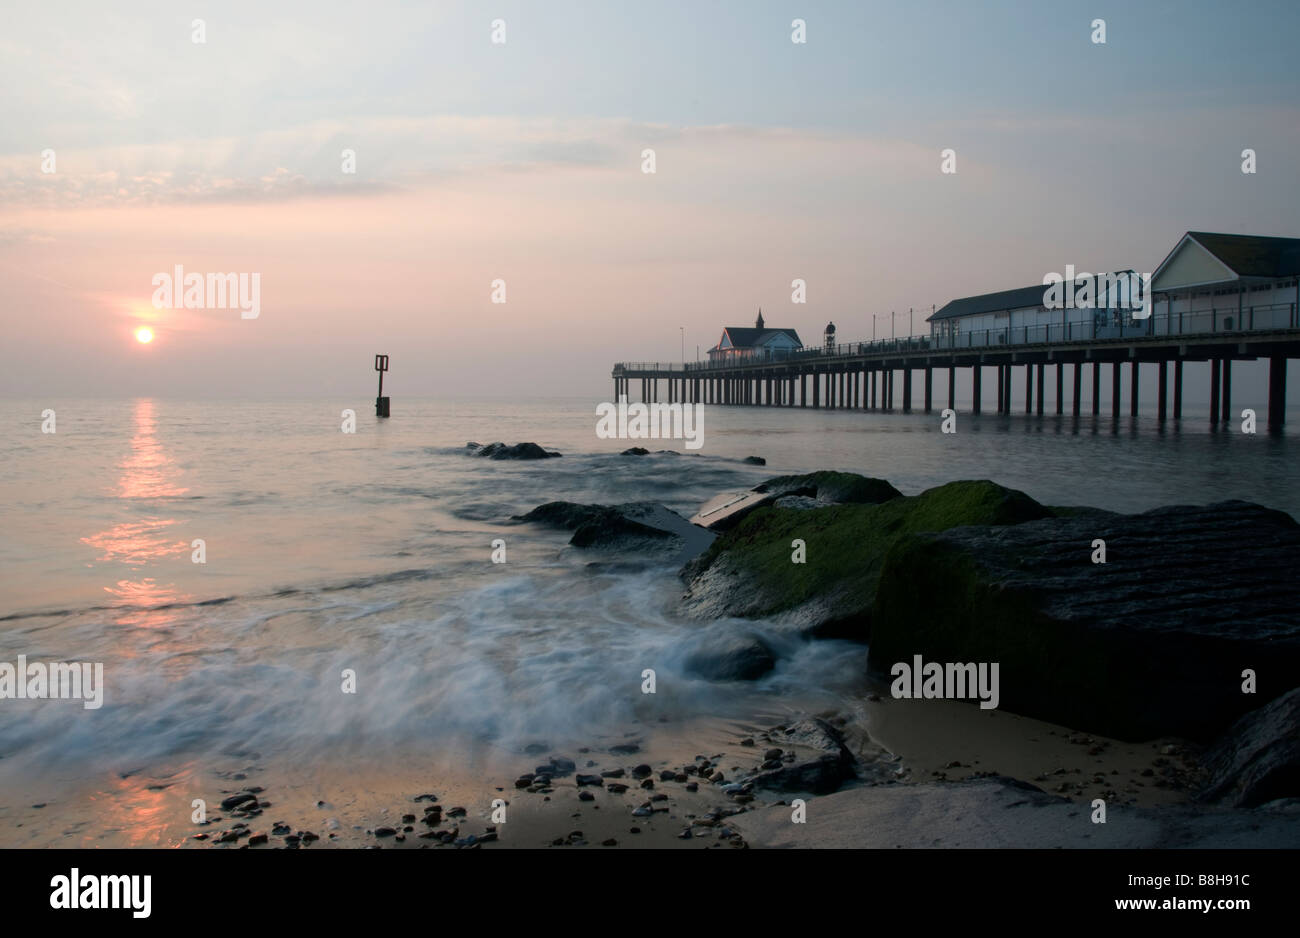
column 748, row 571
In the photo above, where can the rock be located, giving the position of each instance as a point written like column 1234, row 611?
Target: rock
column 820, row 776
column 524, row 781
column 625, row 749
column 610, row 842
column 1258, row 761
column 747, row 573
column 612, row 773
column 797, row 502
column 518, row 451
column 616, row 788
column 635, row 451
column 561, row 766
column 257, row 839
column 1150, row 644
column 754, row 461
column 633, row 526
column 586, row 796
column 642, row 771
column 589, row 780
column 730, row 658
column 235, row 801
column 384, row 832
column 824, row 774
column 828, row 488
column 773, row 754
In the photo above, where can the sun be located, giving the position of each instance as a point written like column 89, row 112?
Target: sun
column 144, row 335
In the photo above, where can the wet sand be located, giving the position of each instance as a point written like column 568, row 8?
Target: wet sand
column 355, row 802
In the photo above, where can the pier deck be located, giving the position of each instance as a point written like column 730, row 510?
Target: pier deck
column 862, row 375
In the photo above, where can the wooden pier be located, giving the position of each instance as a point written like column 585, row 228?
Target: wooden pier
column 880, row 376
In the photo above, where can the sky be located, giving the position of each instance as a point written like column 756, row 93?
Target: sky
column 522, row 161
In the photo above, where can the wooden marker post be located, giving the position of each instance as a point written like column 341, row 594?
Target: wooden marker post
column 381, row 402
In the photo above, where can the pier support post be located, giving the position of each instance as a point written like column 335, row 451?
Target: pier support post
column 1002, row 404
column 1276, row 393
column 1078, row 386
column 907, row 389
column 803, row 389
column 1006, row 391
column 1162, row 392
column 1029, row 389
column 1214, row 390
column 1039, row 403
column 1114, row 390
column 1178, row 389
column 929, row 388
column 975, row 388
column 1134, row 369
column 817, row 389
column 952, row 388
column 1227, row 389
column 1096, row 388
column 1060, row 387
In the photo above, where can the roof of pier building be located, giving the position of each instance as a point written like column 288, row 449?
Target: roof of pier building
column 1203, row 259
column 1020, row 298
column 756, row 336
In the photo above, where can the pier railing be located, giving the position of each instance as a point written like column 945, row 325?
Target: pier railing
column 1102, row 327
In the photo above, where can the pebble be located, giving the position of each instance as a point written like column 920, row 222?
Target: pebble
column 611, row 842
column 616, row 788
column 612, row 773
column 642, row 771
column 586, row 796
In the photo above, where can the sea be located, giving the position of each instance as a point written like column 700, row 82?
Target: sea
column 371, row 554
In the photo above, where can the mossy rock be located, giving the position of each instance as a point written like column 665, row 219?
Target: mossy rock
column 1151, row 643
column 837, row 488
column 748, row 571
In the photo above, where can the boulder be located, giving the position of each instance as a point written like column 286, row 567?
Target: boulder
column 518, row 451
column 1258, row 760
column 727, row 510
column 1150, row 643
column 820, row 775
column 635, row 451
column 731, row 658
column 631, row 526
column 748, row 573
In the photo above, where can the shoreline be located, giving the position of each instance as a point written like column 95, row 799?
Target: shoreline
column 916, row 745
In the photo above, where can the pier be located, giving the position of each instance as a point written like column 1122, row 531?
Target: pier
column 884, row 375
